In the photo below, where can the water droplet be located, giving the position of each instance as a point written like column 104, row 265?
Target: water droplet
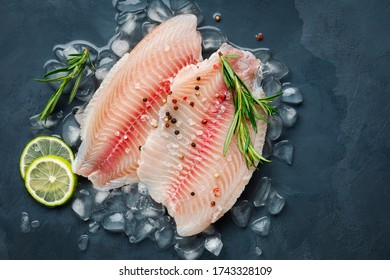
column 127, row 150
column 179, row 136
column 117, row 133
column 199, row 132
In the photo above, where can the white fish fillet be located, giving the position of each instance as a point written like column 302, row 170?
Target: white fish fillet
column 199, row 184
column 125, row 108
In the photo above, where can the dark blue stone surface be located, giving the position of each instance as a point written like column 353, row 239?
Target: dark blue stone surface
column 337, row 190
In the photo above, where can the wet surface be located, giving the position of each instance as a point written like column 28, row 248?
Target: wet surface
column 336, row 189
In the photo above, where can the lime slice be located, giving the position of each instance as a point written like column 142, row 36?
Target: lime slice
column 50, row 181
column 43, row 146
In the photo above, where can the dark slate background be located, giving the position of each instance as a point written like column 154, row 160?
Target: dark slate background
column 337, row 190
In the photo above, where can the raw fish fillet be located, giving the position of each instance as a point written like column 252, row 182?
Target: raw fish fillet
column 125, row 108
column 183, row 165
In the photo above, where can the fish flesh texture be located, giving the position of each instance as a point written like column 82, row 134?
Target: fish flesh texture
column 182, row 161
column 117, row 121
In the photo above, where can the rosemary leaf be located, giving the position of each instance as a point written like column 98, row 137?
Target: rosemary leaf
column 248, row 109
column 75, row 67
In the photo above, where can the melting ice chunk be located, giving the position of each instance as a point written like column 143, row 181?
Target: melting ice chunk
column 267, row 149
column 275, row 68
column 143, row 230
column 288, row 114
column 83, row 206
column 187, row 7
column 131, row 196
column 284, row 150
column 35, row 224
column 214, row 244
column 241, row 213
column 114, row 222
column 42, row 127
column 262, row 192
column 291, row 95
column 130, row 5
column 120, row 44
column 190, row 248
column 83, row 242
column 93, row 227
column 158, row 11
column 25, row 222
column 70, row 131
column 274, row 128
column 275, row 203
column 212, row 38
column 263, row 54
column 261, row 226
column 163, row 237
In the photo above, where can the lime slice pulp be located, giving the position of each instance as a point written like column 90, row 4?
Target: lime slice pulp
column 43, row 146
column 50, row 180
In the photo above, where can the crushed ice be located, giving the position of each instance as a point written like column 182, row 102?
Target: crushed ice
column 130, row 210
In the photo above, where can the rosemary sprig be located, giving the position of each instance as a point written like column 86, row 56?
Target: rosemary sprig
column 74, row 69
column 246, row 112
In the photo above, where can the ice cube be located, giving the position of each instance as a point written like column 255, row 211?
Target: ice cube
column 131, row 5
column 147, row 27
column 283, row 151
column 288, row 114
column 101, row 196
column 70, row 131
column 190, row 8
column 158, row 11
column 100, row 214
column 148, row 208
column 241, row 213
column 258, row 251
column 115, row 201
column 209, row 230
column 261, row 226
column 190, row 248
column 83, row 242
column 291, row 95
column 130, row 27
column 263, row 54
column 262, row 192
column 51, row 65
column 81, row 45
column 275, row 127
column 106, row 57
column 83, row 207
column 25, row 222
column 131, row 196
column 267, row 149
column 87, row 85
column 120, row 44
column 275, row 203
column 43, row 127
column 275, row 68
column 114, row 222
column 93, row 227
column 212, row 38
column 130, row 223
column 177, row 4
column 143, row 229
column 213, row 244
column 35, row 224
column 163, row 237
column 271, row 86
column 143, row 189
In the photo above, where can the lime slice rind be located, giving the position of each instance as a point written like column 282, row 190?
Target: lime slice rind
column 42, row 146
column 42, row 183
